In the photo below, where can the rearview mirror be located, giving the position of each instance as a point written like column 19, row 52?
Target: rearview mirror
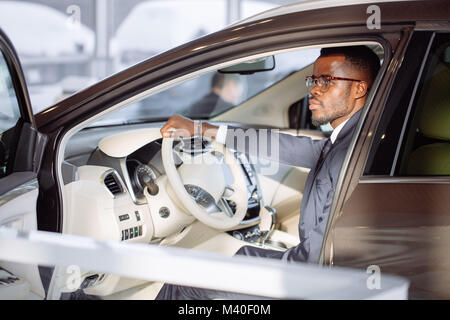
column 252, row 66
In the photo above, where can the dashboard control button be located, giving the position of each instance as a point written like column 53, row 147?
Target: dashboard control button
column 131, row 233
column 138, row 216
column 164, row 212
column 126, row 235
column 124, row 217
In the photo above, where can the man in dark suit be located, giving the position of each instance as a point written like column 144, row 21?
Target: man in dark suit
column 226, row 91
column 339, row 88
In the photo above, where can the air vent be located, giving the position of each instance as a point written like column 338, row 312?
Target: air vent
column 113, row 184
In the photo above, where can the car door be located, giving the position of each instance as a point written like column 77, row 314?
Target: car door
column 19, row 163
column 398, row 218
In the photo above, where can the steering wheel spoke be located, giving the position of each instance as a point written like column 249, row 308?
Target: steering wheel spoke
column 225, row 207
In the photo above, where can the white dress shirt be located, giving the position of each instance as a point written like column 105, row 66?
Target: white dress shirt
column 336, row 131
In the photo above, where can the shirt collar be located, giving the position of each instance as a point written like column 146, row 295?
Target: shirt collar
column 336, row 131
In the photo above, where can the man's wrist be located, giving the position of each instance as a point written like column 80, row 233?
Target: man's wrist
column 198, row 128
column 209, row 130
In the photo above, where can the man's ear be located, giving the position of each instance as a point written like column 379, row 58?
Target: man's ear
column 362, row 89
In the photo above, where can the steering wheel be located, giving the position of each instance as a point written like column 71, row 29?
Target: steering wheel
column 204, row 176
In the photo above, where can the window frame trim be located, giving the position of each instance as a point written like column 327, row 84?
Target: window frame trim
column 406, row 179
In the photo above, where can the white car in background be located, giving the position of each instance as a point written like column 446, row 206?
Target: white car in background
column 146, row 30
column 52, row 46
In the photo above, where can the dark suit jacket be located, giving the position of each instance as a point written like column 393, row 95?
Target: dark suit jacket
column 319, row 187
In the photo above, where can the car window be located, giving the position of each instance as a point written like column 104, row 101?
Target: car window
column 426, row 147
column 9, row 117
column 212, row 93
column 388, row 137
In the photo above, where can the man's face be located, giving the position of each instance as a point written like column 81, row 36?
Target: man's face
column 337, row 103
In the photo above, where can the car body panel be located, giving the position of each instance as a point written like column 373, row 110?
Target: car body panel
column 311, row 5
column 403, row 227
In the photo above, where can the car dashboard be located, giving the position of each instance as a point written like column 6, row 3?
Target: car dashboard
column 134, row 186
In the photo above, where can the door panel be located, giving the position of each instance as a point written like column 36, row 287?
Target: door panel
column 404, row 228
column 18, row 211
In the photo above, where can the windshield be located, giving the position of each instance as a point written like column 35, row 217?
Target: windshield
column 210, row 94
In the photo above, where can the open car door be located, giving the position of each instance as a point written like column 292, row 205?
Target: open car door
column 20, row 154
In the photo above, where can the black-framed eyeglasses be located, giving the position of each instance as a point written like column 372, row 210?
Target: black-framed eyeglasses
column 323, row 82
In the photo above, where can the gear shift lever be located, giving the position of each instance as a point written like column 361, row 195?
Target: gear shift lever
column 266, row 234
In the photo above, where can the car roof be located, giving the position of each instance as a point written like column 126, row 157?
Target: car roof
column 311, row 5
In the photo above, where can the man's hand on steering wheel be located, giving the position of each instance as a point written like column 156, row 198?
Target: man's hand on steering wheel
column 179, row 126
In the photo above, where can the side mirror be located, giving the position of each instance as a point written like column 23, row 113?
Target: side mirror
column 252, row 66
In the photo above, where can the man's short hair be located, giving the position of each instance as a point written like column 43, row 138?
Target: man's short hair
column 360, row 57
column 219, row 80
